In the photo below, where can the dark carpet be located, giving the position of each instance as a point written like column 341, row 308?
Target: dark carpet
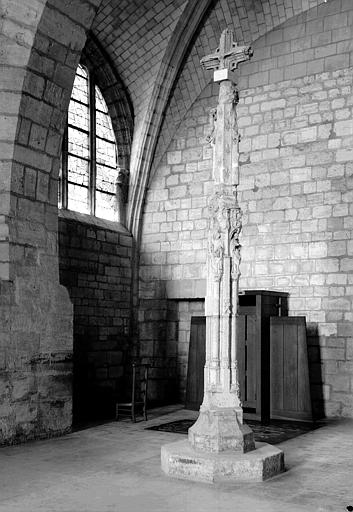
column 276, row 432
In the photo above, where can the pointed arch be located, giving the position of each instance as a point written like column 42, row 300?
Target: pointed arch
column 168, row 71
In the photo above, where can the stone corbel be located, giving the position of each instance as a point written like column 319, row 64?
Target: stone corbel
column 122, row 184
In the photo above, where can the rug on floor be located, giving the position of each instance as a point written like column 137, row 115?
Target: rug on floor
column 276, row 432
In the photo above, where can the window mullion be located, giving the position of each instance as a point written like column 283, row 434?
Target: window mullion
column 93, row 169
column 64, row 170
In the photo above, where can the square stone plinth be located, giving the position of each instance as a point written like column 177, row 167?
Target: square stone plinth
column 181, row 460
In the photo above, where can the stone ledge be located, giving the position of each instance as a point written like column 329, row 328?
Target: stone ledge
column 91, row 220
column 180, row 460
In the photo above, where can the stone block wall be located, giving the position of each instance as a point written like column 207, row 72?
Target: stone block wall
column 41, row 44
column 95, row 266
column 296, row 191
column 173, row 246
column 295, row 120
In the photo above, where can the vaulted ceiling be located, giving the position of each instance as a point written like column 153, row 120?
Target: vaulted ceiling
column 135, row 35
column 156, row 47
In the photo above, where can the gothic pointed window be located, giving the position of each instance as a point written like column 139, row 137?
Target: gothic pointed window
column 89, row 165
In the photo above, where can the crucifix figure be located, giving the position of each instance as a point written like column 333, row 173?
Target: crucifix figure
column 220, row 445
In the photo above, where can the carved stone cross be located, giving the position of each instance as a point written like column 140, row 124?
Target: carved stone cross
column 227, row 56
column 220, row 445
column 220, row 424
column 224, row 135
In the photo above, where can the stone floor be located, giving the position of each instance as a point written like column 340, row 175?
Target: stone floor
column 116, row 467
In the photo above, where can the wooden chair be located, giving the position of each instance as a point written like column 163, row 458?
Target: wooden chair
column 139, row 389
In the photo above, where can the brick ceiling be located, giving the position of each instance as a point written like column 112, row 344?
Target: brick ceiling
column 135, row 35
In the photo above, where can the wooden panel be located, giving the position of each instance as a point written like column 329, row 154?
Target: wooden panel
column 196, row 363
column 254, row 372
column 247, row 359
column 290, row 367
column 262, row 305
column 251, row 353
column 304, row 402
column 276, row 366
column 290, row 387
column 241, row 356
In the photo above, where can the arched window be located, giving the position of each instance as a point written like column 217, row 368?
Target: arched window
column 89, row 165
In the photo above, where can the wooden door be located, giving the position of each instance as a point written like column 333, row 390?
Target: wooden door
column 247, row 355
column 290, row 387
column 196, row 363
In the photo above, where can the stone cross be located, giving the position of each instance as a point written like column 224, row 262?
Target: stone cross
column 220, row 446
column 220, row 424
column 228, row 55
column 225, row 59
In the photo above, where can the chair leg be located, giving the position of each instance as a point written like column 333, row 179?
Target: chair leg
column 116, row 412
column 133, row 397
column 145, row 394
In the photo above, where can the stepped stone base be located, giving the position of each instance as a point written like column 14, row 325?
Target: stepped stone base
column 181, row 460
column 221, row 429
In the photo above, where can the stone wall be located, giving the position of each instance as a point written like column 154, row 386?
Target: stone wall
column 173, row 249
column 95, row 266
column 40, row 47
column 295, row 113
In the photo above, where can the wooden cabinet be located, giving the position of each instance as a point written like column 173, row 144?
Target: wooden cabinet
column 290, row 386
column 255, row 309
column 253, row 352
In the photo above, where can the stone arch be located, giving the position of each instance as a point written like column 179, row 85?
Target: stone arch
column 116, row 95
column 42, row 43
column 168, row 70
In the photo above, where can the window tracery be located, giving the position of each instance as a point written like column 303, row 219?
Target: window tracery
column 89, row 165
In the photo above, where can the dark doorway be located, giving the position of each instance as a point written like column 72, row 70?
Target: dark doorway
column 196, row 364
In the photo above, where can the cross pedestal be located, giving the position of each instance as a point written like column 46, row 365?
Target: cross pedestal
column 220, row 445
